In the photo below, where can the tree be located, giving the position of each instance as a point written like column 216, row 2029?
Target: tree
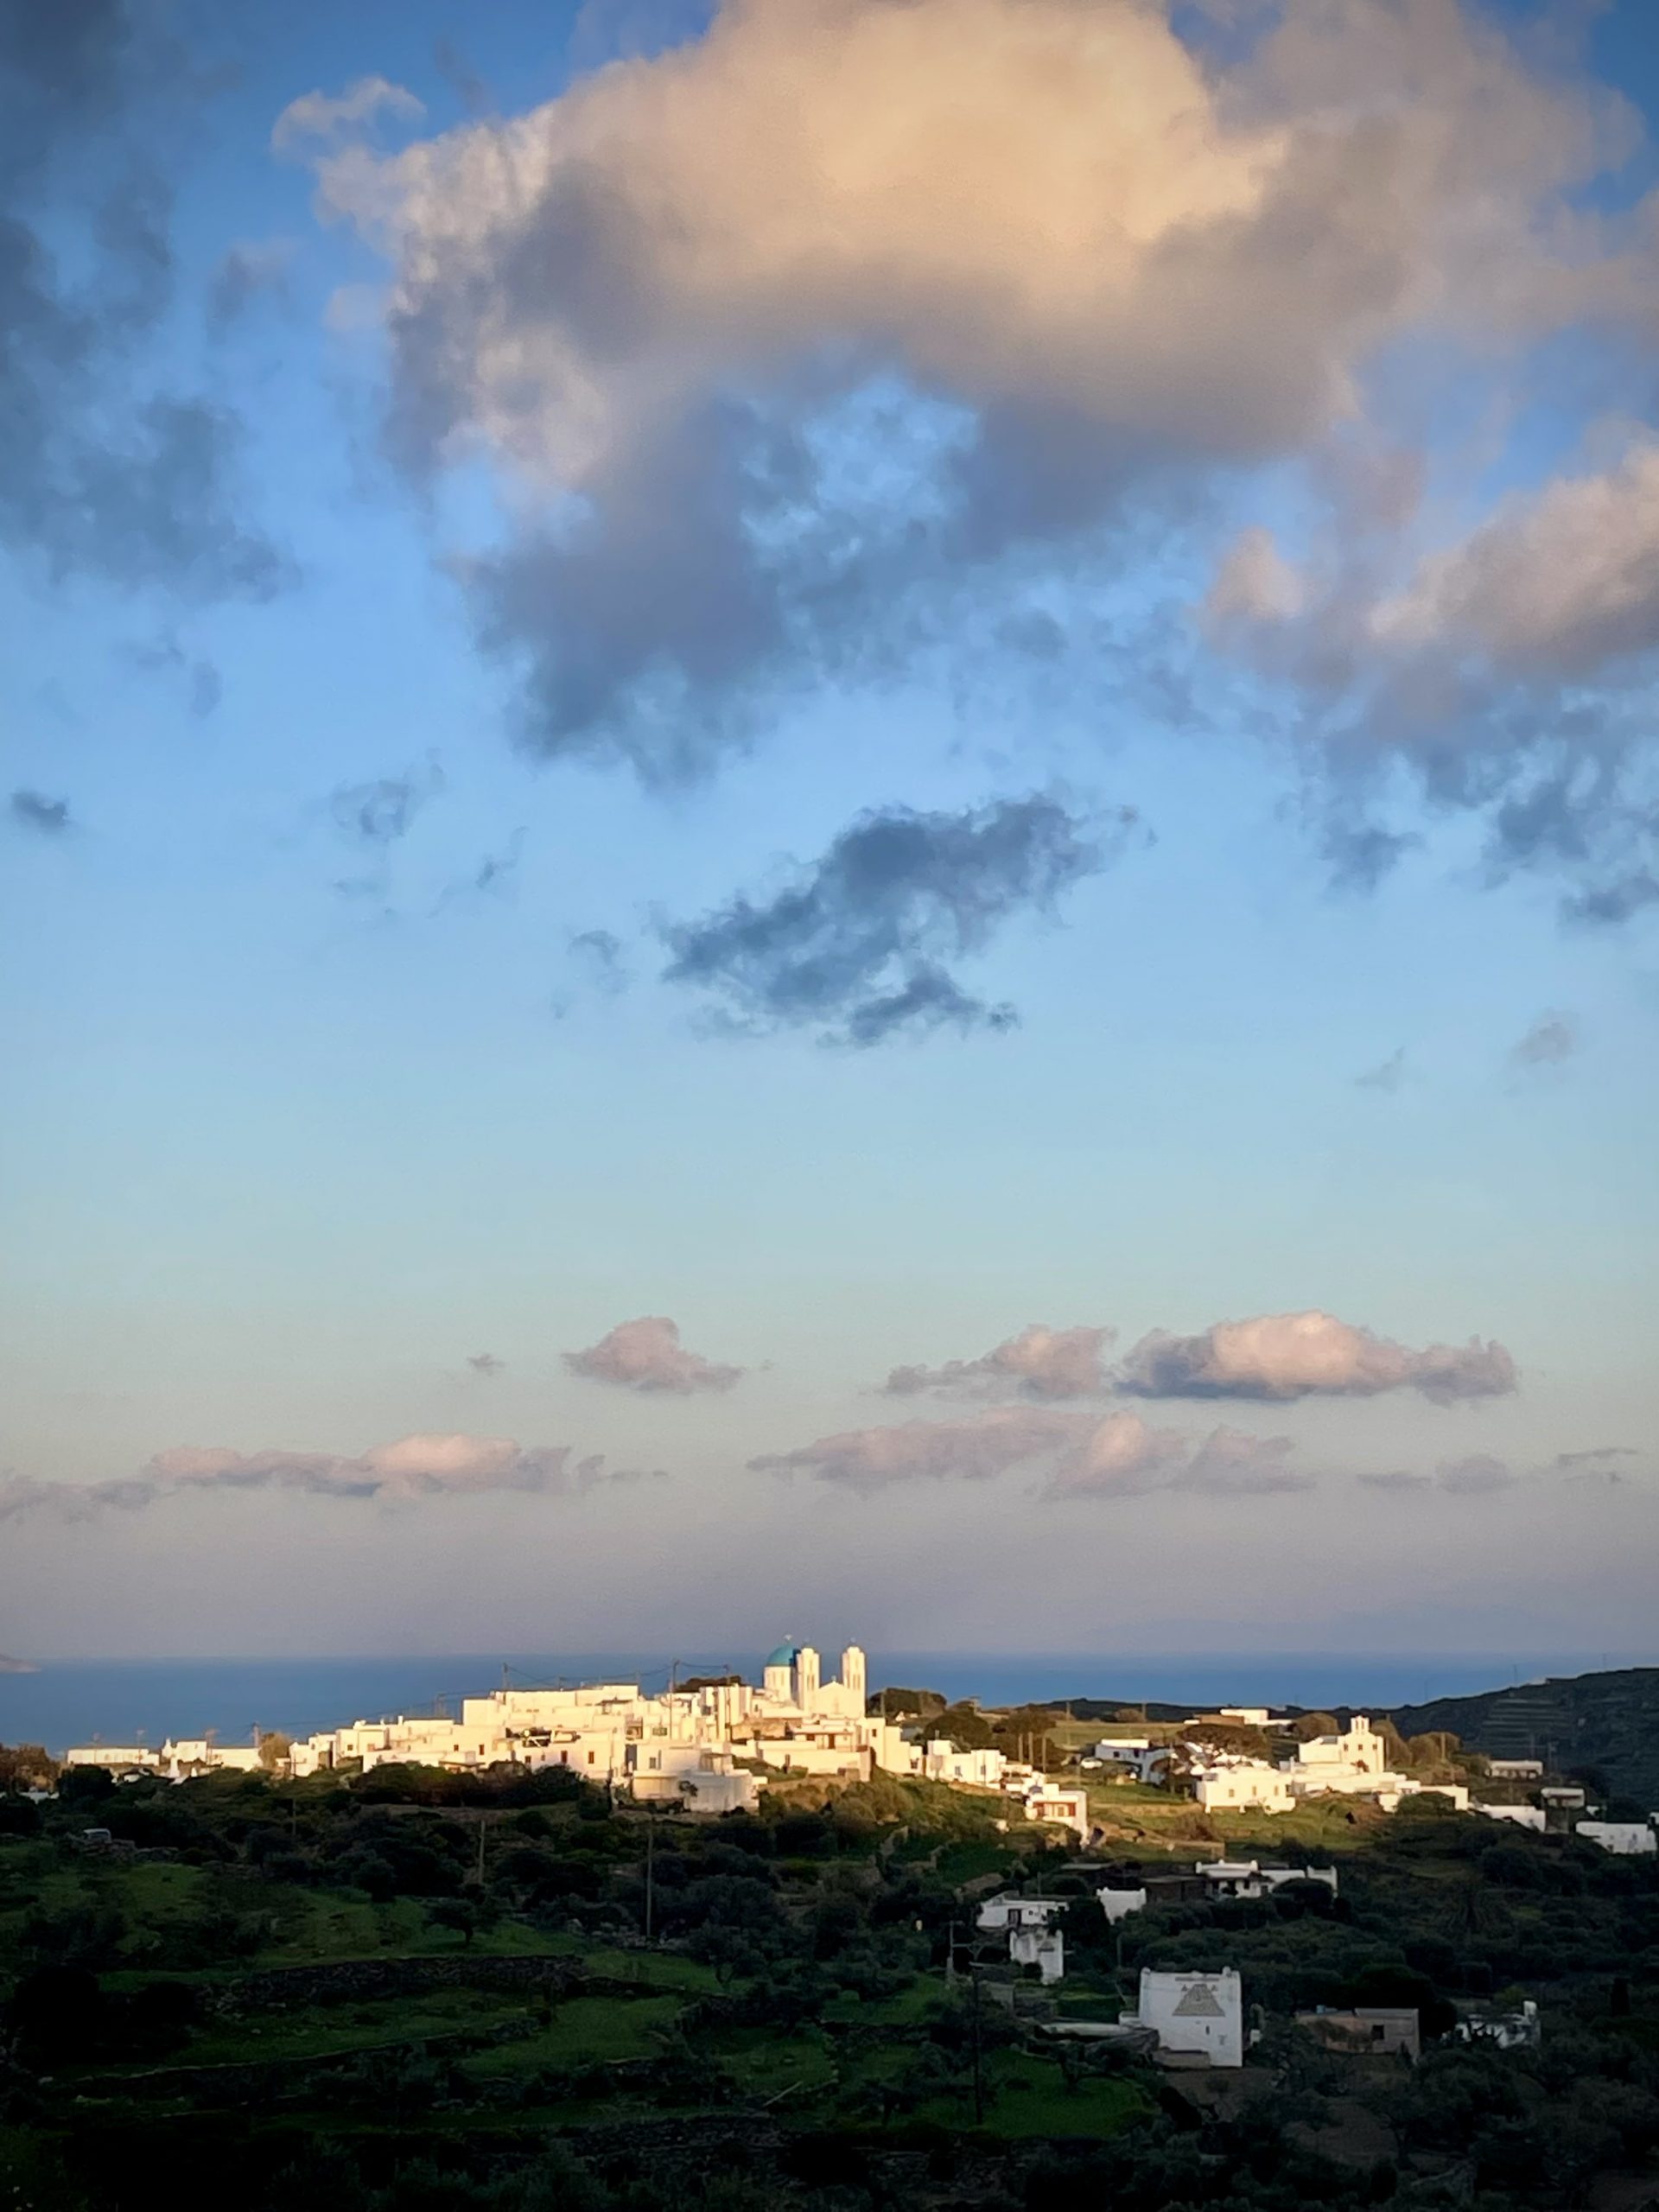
column 26, row 1766
column 275, row 1749
column 85, row 1785
column 458, row 1915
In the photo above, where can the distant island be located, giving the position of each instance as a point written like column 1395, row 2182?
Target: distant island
column 17, row 1666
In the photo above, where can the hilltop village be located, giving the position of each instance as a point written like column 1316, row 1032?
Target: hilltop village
column 709, row 1746
column 711, row 1743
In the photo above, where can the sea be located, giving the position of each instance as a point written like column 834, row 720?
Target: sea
column 145, row 1700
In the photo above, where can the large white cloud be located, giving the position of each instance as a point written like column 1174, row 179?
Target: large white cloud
column 1117, row 256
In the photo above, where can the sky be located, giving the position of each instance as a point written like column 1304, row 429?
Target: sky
column 829, row 817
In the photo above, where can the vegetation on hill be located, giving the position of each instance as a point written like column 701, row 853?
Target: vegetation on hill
column 1604, row 1724
column 420, row 1991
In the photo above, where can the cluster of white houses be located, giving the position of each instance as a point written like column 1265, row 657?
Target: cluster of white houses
column 1351, row 1763
column 706, row 1747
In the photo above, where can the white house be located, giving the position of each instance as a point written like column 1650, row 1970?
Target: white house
column 1242, row 1786
column 985, row 1769
column 1201, row 2015
column 1520, row 1816
column 1061, row 1802
column 1510, row 2029
column 1515, row 1770
column 1136, row 1755
column 1629, row 1838
column 1042, row 1947
column 1008, row 1911
column 1246, row 1716
column 1118, row 1904
column 119, row 1758
column 1244, row 1877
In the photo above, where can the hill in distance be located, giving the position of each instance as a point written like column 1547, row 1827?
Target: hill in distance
column 1608, row 1721
column 17, row 1666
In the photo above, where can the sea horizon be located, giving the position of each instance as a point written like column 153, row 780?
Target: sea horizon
column 67, row 1702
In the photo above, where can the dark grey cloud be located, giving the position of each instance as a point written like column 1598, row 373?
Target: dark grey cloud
column 485, row 1362
column 854, row 945
column 493, row 877
column 633, row 628
column 105, row 469
column 600, row 953
column 646, row 1354
column 244, row 276
column 49, row 817
column 1387, row 1075
column 1551, row 1038
column 1479, row 1475
column 165, row 654
column 381, row 811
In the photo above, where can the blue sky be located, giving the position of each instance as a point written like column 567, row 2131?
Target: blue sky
column 299, row 1121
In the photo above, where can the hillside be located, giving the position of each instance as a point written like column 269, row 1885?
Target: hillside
column 1607, row 1721
column 17, row 1666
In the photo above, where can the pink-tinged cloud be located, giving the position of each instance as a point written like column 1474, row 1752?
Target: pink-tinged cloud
column 647, row 1355
column 973, row 1448
column 1040, row 1361
column 1120, row 1456
column 1284, row 1356
column 412, row 1467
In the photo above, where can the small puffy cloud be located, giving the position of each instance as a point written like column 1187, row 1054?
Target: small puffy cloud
column 853, row 944
column 1040, row 1361
column 1087, row 1456
column 1285, row 1356
column 412, row 1468
column 485, row 1362
column 647, row 1355
column 1551, row 1038
column 48, row 817
column 324, row 119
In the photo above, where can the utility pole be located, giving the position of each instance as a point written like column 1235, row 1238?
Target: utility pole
column 651, row 1871
column 483, row 1829
column 979, row 2072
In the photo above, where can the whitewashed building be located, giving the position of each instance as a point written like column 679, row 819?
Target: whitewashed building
column 1629, row 1838
column 1196, row 2015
